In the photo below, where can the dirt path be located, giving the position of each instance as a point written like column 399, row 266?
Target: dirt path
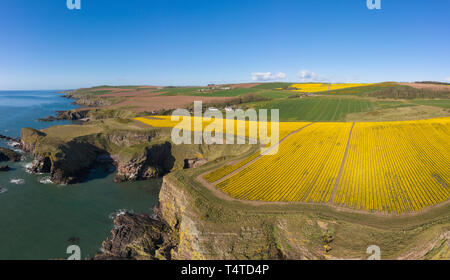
column 258, row 157
column 341, row 169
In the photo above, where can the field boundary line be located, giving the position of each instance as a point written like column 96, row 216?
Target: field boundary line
column 258, row 157
column 341, row 169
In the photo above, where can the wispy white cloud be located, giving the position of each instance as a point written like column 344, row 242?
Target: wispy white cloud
column 308, row 76
column 268, row 76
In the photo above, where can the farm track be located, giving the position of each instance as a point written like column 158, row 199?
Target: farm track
column 341, row 169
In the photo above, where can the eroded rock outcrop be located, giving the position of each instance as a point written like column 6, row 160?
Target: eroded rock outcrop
column 138, row 237
column 67, row 162
column 4, row 168
column 67, row 115
column 9, row 155
column 194, row 162
column 154, row 161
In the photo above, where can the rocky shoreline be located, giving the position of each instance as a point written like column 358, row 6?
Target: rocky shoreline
column 166, row 235
column 7, row 155
column 71, row 115
column 138, row 236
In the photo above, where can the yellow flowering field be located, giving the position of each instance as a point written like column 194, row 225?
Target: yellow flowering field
column 318, row 87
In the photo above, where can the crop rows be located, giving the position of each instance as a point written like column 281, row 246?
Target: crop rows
column 304, row 169
column 396, row 167
column 227, row 169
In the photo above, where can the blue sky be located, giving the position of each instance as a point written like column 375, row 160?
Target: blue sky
column 167, row 42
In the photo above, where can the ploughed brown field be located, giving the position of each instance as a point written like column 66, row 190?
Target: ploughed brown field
column 151, row 98
column 149, row 103
column 426, row 86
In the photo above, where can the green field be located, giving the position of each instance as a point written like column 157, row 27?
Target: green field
column 442, row 103
column 269, row 93
column 324, row 108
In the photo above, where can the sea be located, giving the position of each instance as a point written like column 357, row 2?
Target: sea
column 39, row 220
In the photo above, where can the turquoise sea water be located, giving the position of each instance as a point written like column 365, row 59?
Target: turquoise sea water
column 38, row 219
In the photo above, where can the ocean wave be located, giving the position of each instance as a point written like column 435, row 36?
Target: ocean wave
column 27, row 166
column 13, row 144
column 3, row 190
column 17, row 181
column 119, row 212
column 46, row 180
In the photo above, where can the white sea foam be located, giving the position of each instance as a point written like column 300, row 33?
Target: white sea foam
column 46, row 180
column 3, row 190
column 13, row 144
column 17, row 181
column 27, row 166
column 119, row 212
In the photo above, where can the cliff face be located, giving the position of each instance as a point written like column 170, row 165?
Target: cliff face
column 176, row 209
column 30, row 139
column 202, row 238
column 138, row 237
column 155, row 161
column 67, row 162
column 169, row 235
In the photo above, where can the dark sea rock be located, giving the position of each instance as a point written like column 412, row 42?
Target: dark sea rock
column 4, row 168
column 71, row 115
column 48, row 119
column 138, row 236
column 9, row 155
column 7, row 138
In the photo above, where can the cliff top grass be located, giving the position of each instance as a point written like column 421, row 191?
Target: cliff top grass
column 68, row 132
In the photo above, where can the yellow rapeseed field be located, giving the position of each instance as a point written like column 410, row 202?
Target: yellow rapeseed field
column 304, row 169
column 392, row 167
column 318, row 87
column 165, row 121
column 396, row 167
